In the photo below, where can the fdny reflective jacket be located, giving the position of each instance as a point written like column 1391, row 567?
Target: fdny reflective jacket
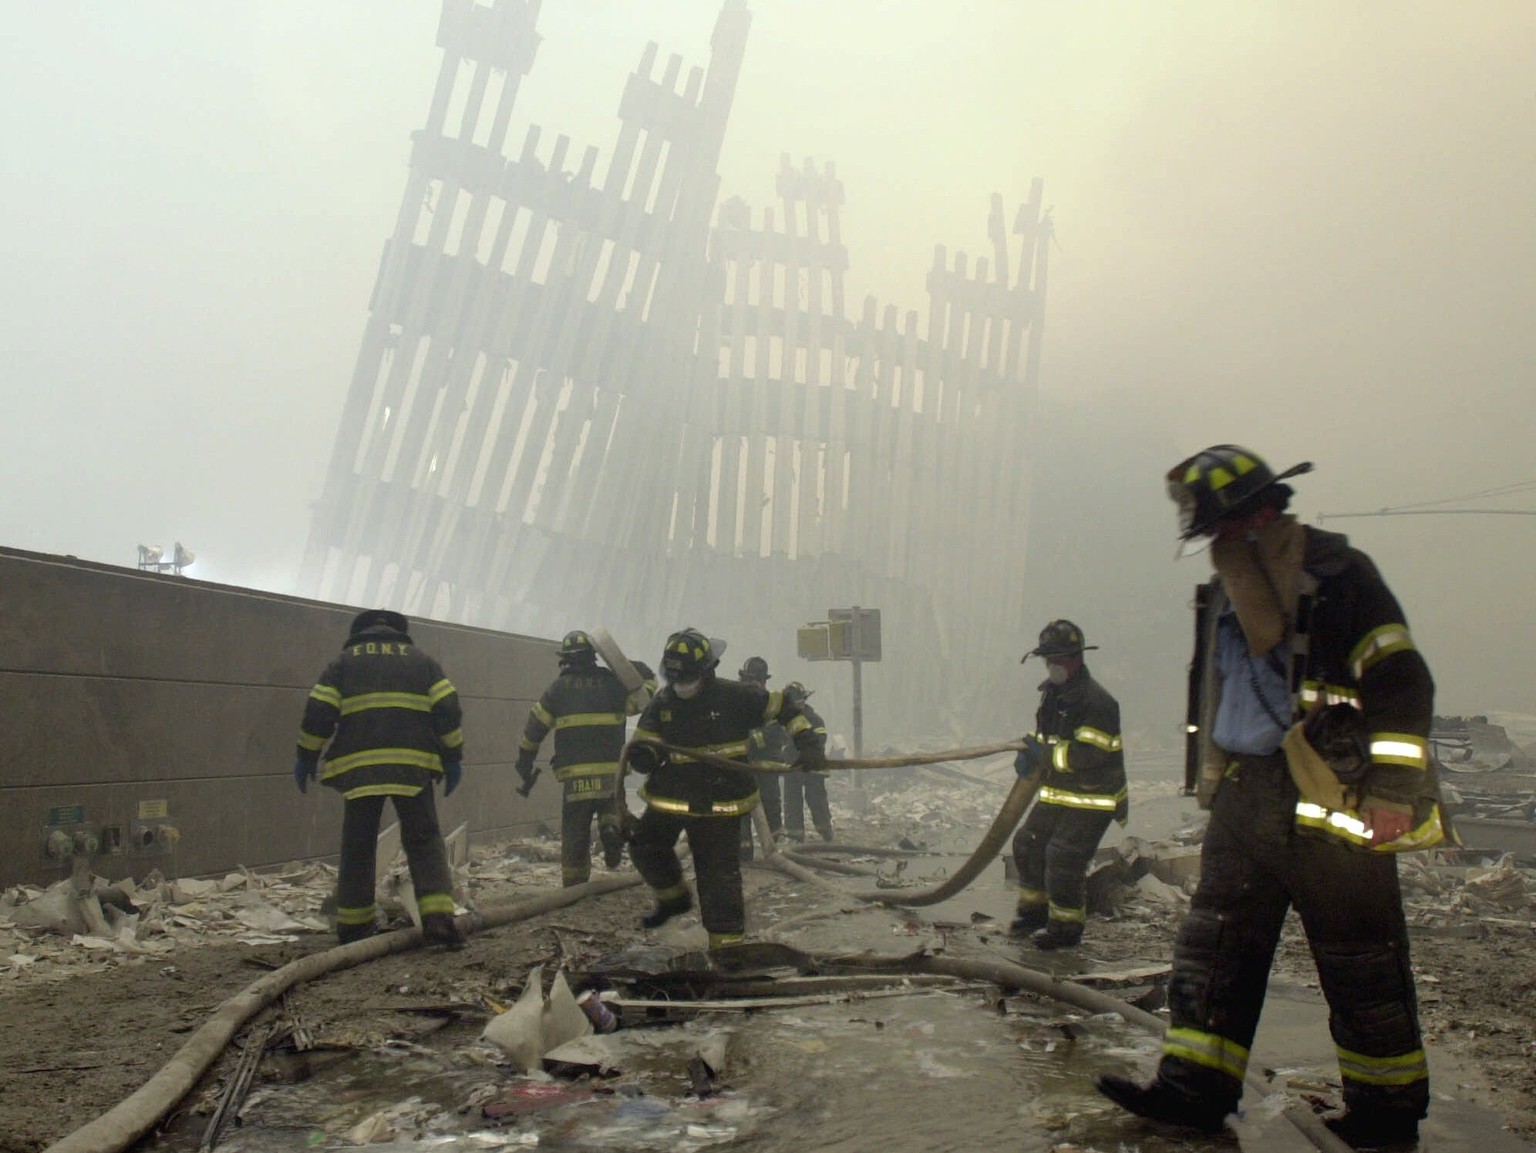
column 391, row 716
column 586, row 706
column 1079, row 723
column 772, row 745
column 719, row 720
column 1350, row 645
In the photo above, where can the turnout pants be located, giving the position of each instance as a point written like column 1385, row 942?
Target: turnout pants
column 1255, row 866
column 1052, row 851
column 424, row 852
column 586, row 799
column 802, row 790
column 716, row 867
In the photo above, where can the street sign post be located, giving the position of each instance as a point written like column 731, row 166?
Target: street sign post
column 851, row 635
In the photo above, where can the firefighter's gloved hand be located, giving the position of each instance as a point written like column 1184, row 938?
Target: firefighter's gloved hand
column 453, row 771
column 613, row 843
column 813, row 757
column 645, row 758
column 303, row 773
column 1031, row 758
column 524, row 767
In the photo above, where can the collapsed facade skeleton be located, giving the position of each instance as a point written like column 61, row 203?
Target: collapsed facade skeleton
column 601, row 394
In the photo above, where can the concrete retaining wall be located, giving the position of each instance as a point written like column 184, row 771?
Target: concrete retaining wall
column 159, row 714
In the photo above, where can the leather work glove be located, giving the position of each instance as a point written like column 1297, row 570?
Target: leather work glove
column 453, row 772
column 303, row 773
column 1031, row 758
column 645, row 758
column 813, row 757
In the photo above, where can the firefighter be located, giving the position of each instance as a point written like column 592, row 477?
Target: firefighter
column 586, row 706
column 1076, row 745
column 768, row 745
column 804, row 789
column 1296, row 625
column 696, row 709
column 393, row 722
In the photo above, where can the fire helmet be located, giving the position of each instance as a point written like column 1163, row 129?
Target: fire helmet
column 754, row 669
column 379, row 618
column 688, row 654
column 1059, row 639
column 576, row 648
column 1224, row 482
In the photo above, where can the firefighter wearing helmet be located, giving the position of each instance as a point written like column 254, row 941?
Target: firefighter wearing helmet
column 696, row 710
column 1075, row 750
column 769, row 745
column 586, row 706
column 1309, row 720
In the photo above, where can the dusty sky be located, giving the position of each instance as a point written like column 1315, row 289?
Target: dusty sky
column 1306, row 226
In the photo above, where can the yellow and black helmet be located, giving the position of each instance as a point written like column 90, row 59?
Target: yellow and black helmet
column 576, row 648
column 688, row 654
column 1223, row 482
column 1059, row 639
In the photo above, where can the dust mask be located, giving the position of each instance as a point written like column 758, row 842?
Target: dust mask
column 687, row 690
column 1056, row 674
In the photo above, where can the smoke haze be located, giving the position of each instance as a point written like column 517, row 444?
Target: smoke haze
column 1304, row 227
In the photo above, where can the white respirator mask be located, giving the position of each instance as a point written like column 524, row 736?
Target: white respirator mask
column 687, row 690
column 1056, row 674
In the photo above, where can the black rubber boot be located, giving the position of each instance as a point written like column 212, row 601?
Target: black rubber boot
column 1027, row 921
column 347, row 934
column 824, row 832
column 441, row 929
column 1375, row 1130
column 1057, row 935
column 665, row 911
column 1160, row 1101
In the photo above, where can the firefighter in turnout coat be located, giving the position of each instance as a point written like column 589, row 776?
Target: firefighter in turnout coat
column 1310, row 714
column 697, row 710
column 586, row 706
column 1077, row 743
column 392, row 720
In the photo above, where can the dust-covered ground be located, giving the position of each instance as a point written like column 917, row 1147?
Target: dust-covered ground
column 87, row 1026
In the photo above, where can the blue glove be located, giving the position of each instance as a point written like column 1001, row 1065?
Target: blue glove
column 1031, row 758
column 452, row 772
column 303, row 773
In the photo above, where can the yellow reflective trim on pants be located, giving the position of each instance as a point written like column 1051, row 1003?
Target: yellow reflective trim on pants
column 361, row 915
column 1032, row 898
column 1404, row 1069
column 1207, row 1049
column 672, row 892
column 1050, row 795
column 434, row 903
column 723, row 940
column 365, row 702
column 1062, row 913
